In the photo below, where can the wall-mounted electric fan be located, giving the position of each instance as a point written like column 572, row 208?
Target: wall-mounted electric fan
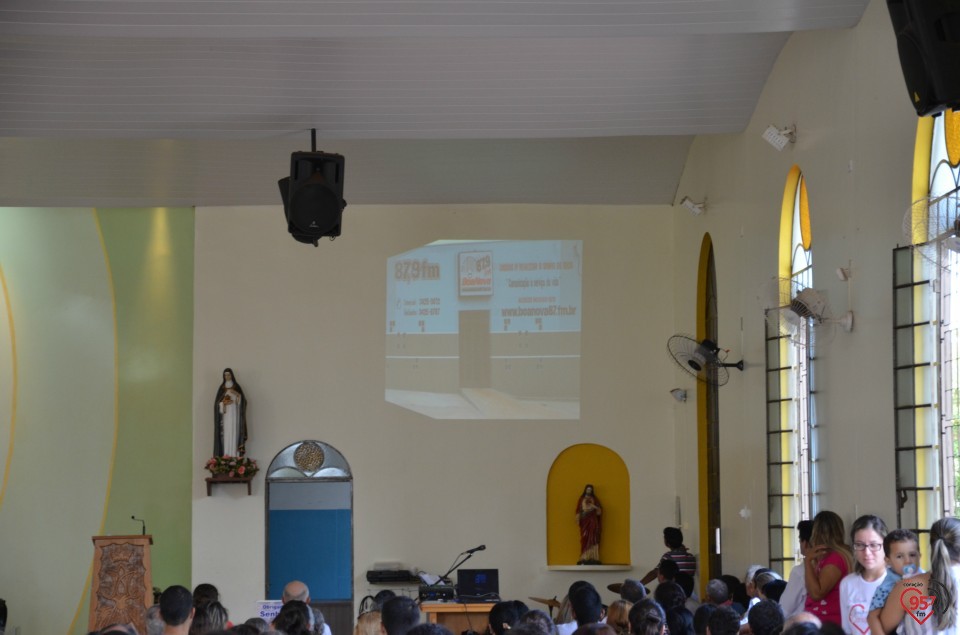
column 932, row 226
column 701, row 359
column 805, row 303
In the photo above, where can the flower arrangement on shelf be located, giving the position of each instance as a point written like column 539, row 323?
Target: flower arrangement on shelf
column 232, row 466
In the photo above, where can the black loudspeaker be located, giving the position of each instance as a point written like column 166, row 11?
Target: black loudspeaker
column 928, row 41
column 313, row 196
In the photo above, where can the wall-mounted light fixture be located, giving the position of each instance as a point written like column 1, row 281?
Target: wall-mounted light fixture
column 695, row 208
column 679, row 394
column 780, row 137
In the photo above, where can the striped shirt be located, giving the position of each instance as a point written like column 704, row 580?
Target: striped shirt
column 686, row 561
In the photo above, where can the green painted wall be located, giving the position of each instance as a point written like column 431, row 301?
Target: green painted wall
column 96, row 341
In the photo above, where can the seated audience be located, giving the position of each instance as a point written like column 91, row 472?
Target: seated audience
column 586, row 605
column 539, row 619
column 702, row 616
column 176, row 610
column 632, row 591
column 293, row 618
column 244, row 629
column 595, row 628
column 208, row 617
column 258, row 623
column 399, row 615
column 205, row 592
column 119, row 629
column 667, row 571
column 766, row 618
column 297, row 590
column 773, row 590
column 803, row 617
column 154, row 621
column 368, row 623
column 647, row 618
column 685, row 580
column 724, row 621
column 566, row 622
column 737, row 593
column 749, row 583
column 618, row 616
column 680, row 621
column 383, row 596
column 429, row 629
column 669, row 595
column 503, row 615
column 717, row 593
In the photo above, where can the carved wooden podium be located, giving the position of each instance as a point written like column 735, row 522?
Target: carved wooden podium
column 122, row 586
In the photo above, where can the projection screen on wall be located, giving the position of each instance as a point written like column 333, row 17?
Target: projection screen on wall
column 485, row 329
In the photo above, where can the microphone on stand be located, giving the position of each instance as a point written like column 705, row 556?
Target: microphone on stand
column 476, row 549
column 142, row 522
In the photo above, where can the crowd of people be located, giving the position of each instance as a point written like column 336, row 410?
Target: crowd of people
column 872, row 585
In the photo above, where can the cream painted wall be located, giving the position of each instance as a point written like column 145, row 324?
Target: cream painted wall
column 303, row 328
column 845, row 92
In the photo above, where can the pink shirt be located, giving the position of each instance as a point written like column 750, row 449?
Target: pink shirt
column 828, row 608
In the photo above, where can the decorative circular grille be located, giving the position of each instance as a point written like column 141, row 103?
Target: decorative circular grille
column 308, row 457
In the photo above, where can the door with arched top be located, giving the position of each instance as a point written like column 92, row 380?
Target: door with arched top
column 309, row 529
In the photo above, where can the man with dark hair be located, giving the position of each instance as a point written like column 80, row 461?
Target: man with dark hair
column 667, row 571
column 686, row 561
column 398, row 616
column 669, row 595
column 765, row 618
column 701, row 616
column 586, row 605
column 176, row 610
column 795, row 595
column 724, row 621
column 567, row 628
column 504, row 615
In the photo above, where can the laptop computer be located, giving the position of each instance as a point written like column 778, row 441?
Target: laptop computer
column 478, row 585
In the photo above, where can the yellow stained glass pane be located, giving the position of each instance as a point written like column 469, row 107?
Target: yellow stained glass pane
column 805, row 234
column 951, row 132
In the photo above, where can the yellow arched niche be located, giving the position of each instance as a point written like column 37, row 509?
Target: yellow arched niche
column 571, row 471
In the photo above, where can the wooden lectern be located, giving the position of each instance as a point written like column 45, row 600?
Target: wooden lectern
column 456, row 616
column 122, row 586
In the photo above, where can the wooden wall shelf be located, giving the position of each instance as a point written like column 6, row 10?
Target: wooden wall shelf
column 212, row 480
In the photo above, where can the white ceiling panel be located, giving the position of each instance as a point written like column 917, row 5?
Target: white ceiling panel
column 264, row 72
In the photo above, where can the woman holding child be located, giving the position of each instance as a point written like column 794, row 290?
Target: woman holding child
column 909, row 602
column 856, row 590
column 827, row 560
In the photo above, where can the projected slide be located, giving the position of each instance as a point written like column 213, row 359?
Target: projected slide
column 485, row 329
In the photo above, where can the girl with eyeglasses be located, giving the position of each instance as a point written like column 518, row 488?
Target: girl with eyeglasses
column 857, row 589
column 827, row 560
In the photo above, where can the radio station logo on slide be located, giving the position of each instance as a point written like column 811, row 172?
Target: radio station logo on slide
column 476, row 273
column 920, row 603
